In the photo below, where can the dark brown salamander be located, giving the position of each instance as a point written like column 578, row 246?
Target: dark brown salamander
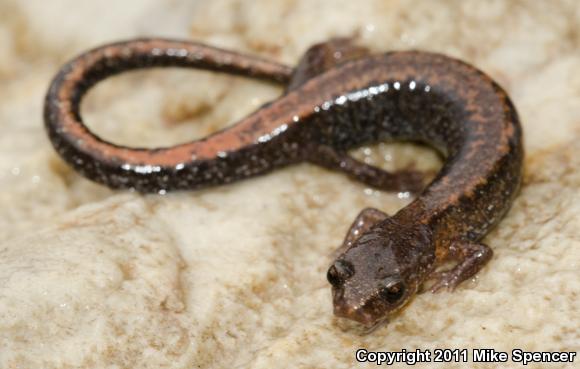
column 338, row 98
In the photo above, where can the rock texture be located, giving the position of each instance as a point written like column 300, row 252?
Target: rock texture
column 235, row 276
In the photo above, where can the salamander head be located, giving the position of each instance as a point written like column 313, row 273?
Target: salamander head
column 381, row 271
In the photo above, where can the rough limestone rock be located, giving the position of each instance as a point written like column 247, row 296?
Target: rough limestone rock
column 235, row 276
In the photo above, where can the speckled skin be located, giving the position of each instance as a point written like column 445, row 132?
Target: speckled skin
column 409, row 95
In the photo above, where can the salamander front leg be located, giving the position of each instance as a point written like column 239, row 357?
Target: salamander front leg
column 471, row 258
column 364, row 221
column 324, row 56
column 402, row 180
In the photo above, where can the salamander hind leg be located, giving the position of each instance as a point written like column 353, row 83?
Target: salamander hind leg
column 364, row 221
column 402, row 180
column 471, row 258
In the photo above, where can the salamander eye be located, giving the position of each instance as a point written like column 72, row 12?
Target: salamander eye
column 339, row 272
column 392, row 291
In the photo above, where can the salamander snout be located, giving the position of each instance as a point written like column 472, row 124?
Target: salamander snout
column 379, row 273
column 391, row 293
column 365, row 304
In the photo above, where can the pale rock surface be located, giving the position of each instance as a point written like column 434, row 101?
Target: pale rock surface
column 235, row 276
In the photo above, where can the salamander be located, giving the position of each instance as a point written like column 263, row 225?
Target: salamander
column 339, row 97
